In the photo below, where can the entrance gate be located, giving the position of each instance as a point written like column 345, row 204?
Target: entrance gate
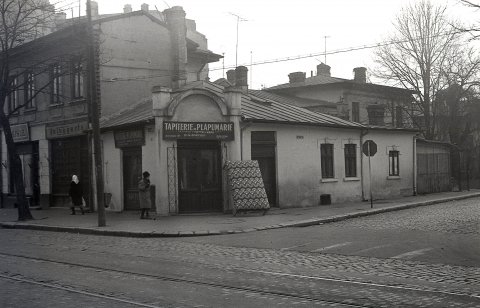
column 132, row 173
column 199, row 176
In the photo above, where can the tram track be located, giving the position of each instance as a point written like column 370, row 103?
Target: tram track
column 166, row 278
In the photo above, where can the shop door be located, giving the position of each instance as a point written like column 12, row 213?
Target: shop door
column 199, row 182
column 69, row 157
column 132, row 174
column 263, row 150
column 28, row 153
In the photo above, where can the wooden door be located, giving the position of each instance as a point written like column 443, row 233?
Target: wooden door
column 132, row 174
column 199, row 171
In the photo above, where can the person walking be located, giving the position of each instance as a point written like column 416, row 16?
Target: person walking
column 144, row 195
column 76, row 194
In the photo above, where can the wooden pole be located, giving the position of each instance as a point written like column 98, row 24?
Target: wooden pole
column 94, row 117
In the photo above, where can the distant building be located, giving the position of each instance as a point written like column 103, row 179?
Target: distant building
column 355, row 100
column 137, row 50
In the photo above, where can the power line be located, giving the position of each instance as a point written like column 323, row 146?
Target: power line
column 324, row 53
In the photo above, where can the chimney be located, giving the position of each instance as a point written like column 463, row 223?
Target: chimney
column 175, row 18
column 360, row 74
column 376, row 115
column 231, row 77
column 323, row 69
column 60, row 19
column 241, row 77
column 297, row 77
column 127, row 8
column 144, row 7
column 94, row 8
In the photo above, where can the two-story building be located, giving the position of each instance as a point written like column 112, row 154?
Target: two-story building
column 136, row 50
column 356, row 100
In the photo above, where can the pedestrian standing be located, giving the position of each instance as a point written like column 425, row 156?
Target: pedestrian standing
column 144, row 195
column 76, row 194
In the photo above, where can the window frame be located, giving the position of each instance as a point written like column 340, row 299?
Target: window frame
column 29, row 93
column 12, row 98
column 327, row 160
column 77, row 80
column 356, row 112
column 350, row 155
column 57, row 84
column 394, row 163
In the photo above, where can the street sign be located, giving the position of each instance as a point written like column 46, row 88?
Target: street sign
column 369, row 148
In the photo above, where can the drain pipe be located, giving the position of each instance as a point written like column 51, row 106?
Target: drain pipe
column 363, row 132
column 242, row 128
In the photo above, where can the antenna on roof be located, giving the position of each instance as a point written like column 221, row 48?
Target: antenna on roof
column 239, row 19
column 166, row 3
column 325, row 37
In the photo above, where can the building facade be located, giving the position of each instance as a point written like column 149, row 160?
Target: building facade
column 184, row 137
column 136, row 50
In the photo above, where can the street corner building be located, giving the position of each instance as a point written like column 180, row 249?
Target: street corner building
column 185, row 136
column 49, row 110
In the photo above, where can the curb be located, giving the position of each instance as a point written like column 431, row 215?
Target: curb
column 304, row 223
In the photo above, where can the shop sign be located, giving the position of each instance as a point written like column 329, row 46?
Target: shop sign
column 198, row 130
column 20, row 133
column 54, row 131
column 129, row 138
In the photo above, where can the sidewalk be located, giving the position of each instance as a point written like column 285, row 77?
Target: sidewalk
column 129, row 224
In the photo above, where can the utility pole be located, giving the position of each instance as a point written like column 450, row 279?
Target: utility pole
column 239, row 19
column 94, row 103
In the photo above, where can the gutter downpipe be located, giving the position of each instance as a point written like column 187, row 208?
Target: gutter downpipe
column 363, row 132
column 242, row 128
column 415, row 165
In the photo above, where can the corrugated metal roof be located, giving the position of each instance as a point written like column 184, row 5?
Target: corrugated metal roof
column 140, row 112
column 314, row 80
column 256, row 106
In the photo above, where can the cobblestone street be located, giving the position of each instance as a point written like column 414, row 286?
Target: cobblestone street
column 98, row 271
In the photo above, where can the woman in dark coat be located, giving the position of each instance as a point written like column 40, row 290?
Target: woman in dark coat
column 76, row 194
column 144, row 195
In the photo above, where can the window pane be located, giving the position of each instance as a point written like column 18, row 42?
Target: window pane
column 326, row 152
column 350, row 160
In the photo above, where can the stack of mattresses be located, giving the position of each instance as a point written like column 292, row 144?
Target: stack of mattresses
column 246, row 186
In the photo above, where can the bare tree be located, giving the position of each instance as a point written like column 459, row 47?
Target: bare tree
column 21, row 21
column 418, row 57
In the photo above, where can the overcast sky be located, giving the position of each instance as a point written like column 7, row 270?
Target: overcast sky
column 276, row 30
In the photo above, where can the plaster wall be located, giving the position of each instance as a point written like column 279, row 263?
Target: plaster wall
column 113, row 171
column 299, row 175
column 383, row 185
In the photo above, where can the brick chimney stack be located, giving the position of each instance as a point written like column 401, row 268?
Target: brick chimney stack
column 297, row 77
column 241, row 77
column 360, row 74
column 231, row 77
column 94, row 8
column 127, row 8
column 323, row 69
column 175, row 18
column 144, row 7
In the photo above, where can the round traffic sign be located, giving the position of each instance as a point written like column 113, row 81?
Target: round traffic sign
column 369, row 148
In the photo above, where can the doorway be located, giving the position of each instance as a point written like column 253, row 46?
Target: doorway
column 132, row 174
column 199, row 176
column 263, row 149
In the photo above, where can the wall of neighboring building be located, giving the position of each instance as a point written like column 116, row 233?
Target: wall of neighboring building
column 113, row 170
column 132, row 49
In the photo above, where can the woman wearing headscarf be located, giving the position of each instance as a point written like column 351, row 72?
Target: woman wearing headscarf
column 76, row 194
